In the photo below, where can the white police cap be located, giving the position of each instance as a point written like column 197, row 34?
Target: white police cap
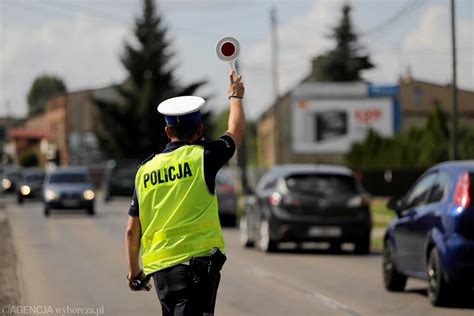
column 181, row 109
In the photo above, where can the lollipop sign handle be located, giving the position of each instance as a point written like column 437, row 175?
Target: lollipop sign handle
column 232, row 66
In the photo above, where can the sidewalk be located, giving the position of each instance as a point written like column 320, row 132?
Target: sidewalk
column 9, row 282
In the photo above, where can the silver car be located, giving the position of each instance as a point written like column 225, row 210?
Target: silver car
column 68, row 188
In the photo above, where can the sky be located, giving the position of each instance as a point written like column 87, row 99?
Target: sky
column 81, row 41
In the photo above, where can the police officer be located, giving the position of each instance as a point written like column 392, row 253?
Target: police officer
column 173, row 216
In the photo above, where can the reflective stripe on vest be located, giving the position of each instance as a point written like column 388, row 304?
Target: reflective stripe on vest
column 178, row 216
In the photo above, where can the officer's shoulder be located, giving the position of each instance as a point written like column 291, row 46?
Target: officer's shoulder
column 146, row 160
column 203, row 142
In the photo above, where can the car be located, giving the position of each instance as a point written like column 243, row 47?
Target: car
column 300, row 203
column 227, row 199
column 119, row 179
column 31, row 185
column 432, row 235
column 10, row 178
column 68, row 188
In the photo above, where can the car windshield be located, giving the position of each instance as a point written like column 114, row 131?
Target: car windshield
column 322, row 184
column 34, row 177
column 68, row 178
column 12, row 174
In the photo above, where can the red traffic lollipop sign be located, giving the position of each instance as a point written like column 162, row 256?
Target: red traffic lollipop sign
column 228, row 49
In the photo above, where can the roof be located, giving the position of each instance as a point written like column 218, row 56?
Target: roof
column 283, row 170
column 458, row 164
column 29, row 133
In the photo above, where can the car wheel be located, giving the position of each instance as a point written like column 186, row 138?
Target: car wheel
column 245, row 240
column 20, row 199
column 47, row 211
column 393, row 280
column 362, row 247
column 91, row 211
column 438, row 288
column 265, row 244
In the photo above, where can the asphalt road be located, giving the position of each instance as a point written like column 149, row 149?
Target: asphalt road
column 74, row 260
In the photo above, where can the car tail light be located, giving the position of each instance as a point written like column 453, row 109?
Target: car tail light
column 277, row 199
column 224, row 187
column 358, row 201
column 462, row 197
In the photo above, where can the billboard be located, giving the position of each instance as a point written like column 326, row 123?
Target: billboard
column 331, row 126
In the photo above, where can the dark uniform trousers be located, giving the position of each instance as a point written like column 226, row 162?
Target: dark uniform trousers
column 187, row 289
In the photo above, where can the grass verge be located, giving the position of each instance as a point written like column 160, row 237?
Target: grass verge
column 381, row 215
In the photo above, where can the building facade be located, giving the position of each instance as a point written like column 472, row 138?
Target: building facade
column 318, row 122
column 418, row 98
column 68, row 124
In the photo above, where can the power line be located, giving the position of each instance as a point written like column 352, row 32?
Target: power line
column 403, row 12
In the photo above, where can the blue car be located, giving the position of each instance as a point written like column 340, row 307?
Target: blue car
column 432, row 236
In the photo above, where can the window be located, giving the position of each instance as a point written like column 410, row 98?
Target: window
column 417, row 96
column 440, row 188
column 418, row 195
column 270, row 184
column 322, row 184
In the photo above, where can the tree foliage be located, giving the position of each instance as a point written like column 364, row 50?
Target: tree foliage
column 43, row 88
column 131, row 127
column 29, row 158
column 415, row 148
column 345, row 62
column 220, row 123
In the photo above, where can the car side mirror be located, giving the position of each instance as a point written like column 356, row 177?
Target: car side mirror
column 396, row 204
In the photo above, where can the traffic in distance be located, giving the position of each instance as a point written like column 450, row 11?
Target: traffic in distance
column 430, row 236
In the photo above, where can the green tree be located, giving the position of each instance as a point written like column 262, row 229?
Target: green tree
column 220, row 127
column 29, row 158
column 43, row 88
column 131, row 127
column 345, row 62
column 415, row 148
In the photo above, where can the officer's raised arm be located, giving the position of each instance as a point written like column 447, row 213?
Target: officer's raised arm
column 236, row 124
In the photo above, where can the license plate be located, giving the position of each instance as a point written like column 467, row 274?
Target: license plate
column 71, row 203
column 328, row 231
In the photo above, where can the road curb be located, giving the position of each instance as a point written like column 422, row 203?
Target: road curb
column 10, row 293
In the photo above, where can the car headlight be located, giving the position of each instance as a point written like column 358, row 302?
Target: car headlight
column 50, row 195
column 88, row 195
column 6, row 184
column 25, row 190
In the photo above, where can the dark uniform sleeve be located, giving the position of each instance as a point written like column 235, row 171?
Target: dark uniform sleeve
column 134, row 210
column 216, row 154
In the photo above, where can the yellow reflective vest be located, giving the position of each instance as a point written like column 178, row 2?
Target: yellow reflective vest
column 178, row 215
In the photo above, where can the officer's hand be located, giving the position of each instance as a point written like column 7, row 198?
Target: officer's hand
column 236, row 87
column 131, row 277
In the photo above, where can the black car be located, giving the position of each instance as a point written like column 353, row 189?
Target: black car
column 299, row 203
column 10, row 178
column 227, row 198
column 31, row 185
column 119, row 179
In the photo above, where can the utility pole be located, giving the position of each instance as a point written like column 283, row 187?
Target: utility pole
column 274, row 47
column 242, row 154
column 453, row 153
